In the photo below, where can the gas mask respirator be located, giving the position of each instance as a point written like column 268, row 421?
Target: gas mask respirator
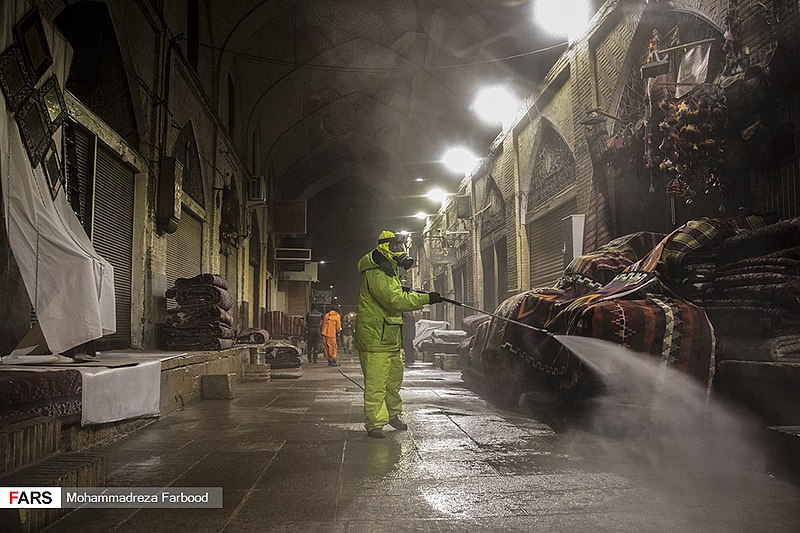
column 398, row 249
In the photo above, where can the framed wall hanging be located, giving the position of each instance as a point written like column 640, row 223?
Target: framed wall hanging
column 52, row 169
column 52, row 100
column 32, row 121
column 14, row 78
column 33, row 43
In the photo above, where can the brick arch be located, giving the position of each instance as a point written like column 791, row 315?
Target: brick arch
column 553, row 166
column 494, row 218
column 629, row 85
column 98, row 74
column 186, row 152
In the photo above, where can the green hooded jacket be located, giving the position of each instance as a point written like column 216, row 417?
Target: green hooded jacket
column 381, row 304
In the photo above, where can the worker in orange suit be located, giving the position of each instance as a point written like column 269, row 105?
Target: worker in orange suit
column 331, row 326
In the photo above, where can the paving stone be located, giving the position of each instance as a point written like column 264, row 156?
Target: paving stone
column 218, row 386
column 294, row 456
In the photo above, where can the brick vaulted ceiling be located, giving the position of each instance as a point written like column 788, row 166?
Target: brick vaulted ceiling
column 369, row 87
column 364, row 96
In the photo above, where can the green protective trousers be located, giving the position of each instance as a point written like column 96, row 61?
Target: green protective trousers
column 383, row 376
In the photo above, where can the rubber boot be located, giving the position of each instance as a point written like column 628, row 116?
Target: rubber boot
column 398, row 424
column 376, row 433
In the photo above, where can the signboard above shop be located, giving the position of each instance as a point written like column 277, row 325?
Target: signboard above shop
column 443, row 255
column 321, row 297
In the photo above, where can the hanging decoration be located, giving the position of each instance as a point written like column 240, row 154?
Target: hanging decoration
column 734, row 60
column 690, row 150
column 231, row 227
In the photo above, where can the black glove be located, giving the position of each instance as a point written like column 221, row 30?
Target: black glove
column 435, row 297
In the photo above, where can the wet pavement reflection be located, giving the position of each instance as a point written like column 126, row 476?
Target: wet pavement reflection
column 292, row 455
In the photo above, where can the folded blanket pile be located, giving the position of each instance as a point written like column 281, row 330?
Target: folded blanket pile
column 201, row 321
column 756, row 287
column 203, row 279
column 187, row 318
column 282, row 354
column 785, row 348
column 200, row 296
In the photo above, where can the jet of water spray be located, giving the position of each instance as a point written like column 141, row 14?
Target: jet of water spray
column 664, row 416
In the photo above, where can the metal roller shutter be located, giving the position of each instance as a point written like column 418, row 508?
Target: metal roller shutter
column 112, row 234
column 84, row 165
column 248, row 293
column 184, row 251
column 546, row 244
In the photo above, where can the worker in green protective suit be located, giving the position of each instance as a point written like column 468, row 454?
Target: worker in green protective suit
column 382, row 301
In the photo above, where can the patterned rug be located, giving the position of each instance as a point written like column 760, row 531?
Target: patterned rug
column 26, row 394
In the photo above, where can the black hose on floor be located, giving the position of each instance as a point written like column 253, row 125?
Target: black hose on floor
column 345, row 375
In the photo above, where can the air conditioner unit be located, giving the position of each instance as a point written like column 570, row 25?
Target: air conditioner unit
column 293, row 254
column 308, row 273
column 257, row 192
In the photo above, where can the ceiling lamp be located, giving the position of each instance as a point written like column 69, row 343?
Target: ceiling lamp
column 563, row 17
column 421, row 215
column 459, row 160
column 436, row 195
column 496, row 105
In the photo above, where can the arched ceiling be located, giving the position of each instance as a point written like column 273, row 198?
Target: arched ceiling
column 312, row 73
column 372, row 92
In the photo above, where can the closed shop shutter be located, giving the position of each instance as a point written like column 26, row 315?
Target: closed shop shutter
column 184, row 251
column 112, row 234
column 459, row 281
column 84, row 166
column 546, row 244
column 248, row 293
column 489, row 278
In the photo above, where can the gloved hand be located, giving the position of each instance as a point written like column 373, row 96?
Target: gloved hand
column 435, row 297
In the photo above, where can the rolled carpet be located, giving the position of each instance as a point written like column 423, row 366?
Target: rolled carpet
column 180, row 317
column 200, row 343
column 223, row 331
column 208, row 279
column 197, row 296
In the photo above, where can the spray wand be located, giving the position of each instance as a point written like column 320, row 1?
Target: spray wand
column 494, row 315
column 461, row 304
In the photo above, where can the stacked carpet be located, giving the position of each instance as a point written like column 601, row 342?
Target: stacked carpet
column 783, row 348
column 754, row 299
column 201, row 321
column 638, row 291
column 592, row 271
column 281, row 354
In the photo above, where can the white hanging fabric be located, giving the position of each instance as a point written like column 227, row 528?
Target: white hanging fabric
column 693, row 69
column 70, row 286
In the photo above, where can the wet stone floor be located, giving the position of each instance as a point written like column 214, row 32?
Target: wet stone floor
column 292, row 455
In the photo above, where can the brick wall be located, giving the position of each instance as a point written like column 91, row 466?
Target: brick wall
column 597, row 70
